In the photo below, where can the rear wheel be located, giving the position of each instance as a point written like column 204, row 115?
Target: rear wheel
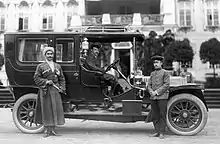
column 187, row 114
column 24, row 113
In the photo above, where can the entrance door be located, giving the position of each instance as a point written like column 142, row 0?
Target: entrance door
column 124, row 55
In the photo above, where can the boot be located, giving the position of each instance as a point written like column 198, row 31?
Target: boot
column 46, row 132
column 155, row 135
column 161, row 136
column 53, row 132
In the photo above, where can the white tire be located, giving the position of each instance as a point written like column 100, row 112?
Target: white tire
column 186, row 114
column 23, row 114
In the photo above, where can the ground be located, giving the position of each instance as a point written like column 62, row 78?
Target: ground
column 93, row 132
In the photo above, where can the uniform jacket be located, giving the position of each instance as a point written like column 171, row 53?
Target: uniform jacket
column 49, row 109
column 160, row 82
column 91, row 64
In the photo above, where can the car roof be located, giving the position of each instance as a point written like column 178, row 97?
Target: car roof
column 92, row 36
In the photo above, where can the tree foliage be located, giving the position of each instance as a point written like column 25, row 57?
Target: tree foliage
column 180, row 51
column 210, row 52
column 167, row 46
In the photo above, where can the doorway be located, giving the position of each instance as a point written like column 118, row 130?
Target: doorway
column 124, row 55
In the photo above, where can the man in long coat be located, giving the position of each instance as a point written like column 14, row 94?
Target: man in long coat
column 50, row 80
column 158, row 86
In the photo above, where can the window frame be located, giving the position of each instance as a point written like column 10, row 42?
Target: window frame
column 47, row 14
column 24, row 15
column 212, row 11
column 18, row 48
column 73, row 50
column 185, row 9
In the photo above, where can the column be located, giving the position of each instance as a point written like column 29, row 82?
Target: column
column 11, row 25
column 199, row 16
column 81, row 7
column 168, row 8
column 35, row 17
column 59, row 18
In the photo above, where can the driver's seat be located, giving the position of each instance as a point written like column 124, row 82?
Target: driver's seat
column 90, row 78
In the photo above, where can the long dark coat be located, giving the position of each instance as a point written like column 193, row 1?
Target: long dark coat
column 49, row 109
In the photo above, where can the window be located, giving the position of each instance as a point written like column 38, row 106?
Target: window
column 31, row 50
column 23, row 21
column 217, row 66
column 2, row 22
column 185, row 12
column 47, row 22
column 65, row 50
column 212, row 12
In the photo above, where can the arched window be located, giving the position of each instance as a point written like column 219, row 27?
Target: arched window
column 47, row 15
column 2, row 16
column 23, row 20
column 70, row 11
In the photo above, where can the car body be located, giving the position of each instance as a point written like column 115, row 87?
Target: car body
column 86, row 95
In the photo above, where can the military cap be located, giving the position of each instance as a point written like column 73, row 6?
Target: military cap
column 157, row 57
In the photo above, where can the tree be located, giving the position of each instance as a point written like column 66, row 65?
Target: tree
column 152, row 46
column 210, row 52
column 180, row 51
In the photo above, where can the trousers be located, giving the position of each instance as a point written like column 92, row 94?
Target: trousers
column 159, row 111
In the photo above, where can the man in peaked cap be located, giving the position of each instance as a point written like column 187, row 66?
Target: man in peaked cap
column 49, row 111
column 158, row 86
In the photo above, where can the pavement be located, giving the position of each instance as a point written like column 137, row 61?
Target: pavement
column 98, row 132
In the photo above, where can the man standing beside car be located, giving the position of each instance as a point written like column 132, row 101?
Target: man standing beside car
column 50, row 80
column 158, row 86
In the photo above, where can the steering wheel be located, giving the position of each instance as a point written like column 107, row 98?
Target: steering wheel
column 112, row 64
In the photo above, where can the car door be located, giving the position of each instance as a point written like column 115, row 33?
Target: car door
column 66, row 54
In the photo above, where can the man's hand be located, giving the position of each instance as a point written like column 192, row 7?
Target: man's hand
column 49, row 82
column 153, row 94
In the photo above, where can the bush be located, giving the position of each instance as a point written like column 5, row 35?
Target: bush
column 212, row 82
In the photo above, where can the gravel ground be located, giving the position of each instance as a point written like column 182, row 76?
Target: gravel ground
column 97, row 132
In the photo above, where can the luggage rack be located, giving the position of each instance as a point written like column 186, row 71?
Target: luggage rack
column 107, row 28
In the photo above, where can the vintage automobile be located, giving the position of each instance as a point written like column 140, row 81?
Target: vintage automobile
column 87, row 97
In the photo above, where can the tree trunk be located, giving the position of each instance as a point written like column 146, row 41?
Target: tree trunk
column 213, row 65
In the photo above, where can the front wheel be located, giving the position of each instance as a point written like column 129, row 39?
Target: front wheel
column 186, row 114
column 24, row 112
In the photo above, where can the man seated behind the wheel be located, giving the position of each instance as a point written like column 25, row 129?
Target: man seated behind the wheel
column 91, row 64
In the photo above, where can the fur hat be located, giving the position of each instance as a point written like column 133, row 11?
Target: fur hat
column 46, row 49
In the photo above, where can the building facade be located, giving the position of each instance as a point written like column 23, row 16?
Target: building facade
column 197, row 20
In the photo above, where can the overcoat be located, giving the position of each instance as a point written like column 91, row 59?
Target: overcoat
column 49, row 109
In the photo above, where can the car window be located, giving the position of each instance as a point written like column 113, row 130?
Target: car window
column 31, row 49
column 65, row 50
